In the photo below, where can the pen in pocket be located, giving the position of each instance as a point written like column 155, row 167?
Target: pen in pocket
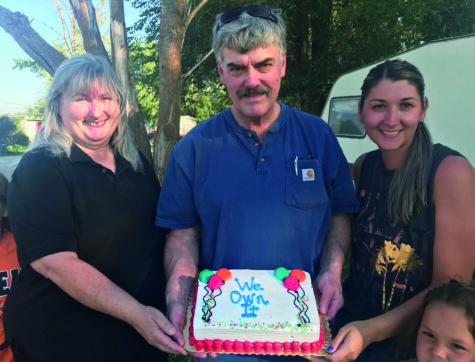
column 296, row 163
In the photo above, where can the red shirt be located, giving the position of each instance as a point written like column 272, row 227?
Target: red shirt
column 9, row 269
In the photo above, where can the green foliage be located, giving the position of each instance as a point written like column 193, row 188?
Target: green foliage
column 204, row 102
column 325, row 39
column 37, row 111
column 7, row 127
column 149, row 21
column 19, row 139
column 144, row 74
column 179, row 358
column 21, row 64
column 16, row 149
column 202, row 96
column 12, row 135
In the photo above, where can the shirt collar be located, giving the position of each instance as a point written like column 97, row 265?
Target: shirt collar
column 78, row 155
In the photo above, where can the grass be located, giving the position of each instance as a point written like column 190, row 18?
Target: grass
column 179, row 358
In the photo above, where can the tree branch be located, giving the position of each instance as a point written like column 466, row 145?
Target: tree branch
column 120, row 59
column 187, row 74
column 86, row 16
column 18, row 26
column 195, row 11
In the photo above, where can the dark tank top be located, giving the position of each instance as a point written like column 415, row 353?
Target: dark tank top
column 390, row 264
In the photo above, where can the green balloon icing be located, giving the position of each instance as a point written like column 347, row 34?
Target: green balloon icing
column 205, row 274
column 281, row 273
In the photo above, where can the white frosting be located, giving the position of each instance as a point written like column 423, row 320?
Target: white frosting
column 253, row 305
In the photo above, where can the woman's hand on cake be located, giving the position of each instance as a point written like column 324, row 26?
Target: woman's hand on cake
column 157, row 330
column 328, row 294
column 349, row 343
column 176, row 312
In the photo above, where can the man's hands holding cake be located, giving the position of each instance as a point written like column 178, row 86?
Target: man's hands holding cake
column 328, row 294
column 327, row 287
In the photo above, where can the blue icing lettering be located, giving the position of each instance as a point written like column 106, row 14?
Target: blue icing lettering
column 249, row 285
column 249, row 311
column 248, row 301
column 233, row 294
column 246, row 284
column 260, row 299
column 257, row 287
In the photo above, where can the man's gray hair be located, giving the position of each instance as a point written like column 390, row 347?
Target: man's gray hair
column 248, row 32
column 83, row 73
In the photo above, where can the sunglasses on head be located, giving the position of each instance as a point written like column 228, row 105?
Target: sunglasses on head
column 257, row 11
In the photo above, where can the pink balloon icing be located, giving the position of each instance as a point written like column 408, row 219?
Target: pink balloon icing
column 291, row 283
column 215, row 282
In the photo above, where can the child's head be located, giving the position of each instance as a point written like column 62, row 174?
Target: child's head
column 447, row 329
column 3, row 202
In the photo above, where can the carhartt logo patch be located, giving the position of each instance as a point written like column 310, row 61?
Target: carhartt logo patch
column 308, row 174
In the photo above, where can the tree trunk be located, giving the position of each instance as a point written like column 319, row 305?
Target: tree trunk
column 18, row 26
column 120, row 59
column 173, row 24
column 176, row 15
column 85, row 14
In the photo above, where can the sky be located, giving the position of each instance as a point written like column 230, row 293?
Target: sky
column 21, row 89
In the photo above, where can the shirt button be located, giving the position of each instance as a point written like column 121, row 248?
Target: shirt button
column 262, row 159
column 256, row 144
column 250, row 135
column 104, row 170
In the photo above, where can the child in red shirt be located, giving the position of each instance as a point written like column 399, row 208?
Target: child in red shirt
column 9, row 267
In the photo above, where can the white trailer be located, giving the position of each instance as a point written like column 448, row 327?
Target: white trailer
column 448, row 67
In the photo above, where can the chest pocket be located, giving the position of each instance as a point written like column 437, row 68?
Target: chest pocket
column 305, row 187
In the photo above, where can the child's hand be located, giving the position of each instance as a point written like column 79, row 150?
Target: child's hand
column 349, row 342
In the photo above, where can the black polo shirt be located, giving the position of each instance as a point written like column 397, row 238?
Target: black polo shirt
column 61, row 204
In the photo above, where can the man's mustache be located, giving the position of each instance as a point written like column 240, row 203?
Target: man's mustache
column 247, row 92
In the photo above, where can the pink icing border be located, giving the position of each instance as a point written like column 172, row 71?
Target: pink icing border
column 228, row 346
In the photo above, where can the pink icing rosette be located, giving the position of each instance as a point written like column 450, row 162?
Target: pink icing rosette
column 291, row 283
column 215, row 282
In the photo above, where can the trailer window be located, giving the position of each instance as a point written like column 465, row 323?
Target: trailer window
column 343, row 117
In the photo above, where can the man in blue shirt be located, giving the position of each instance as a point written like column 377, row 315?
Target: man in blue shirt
column 260, row 185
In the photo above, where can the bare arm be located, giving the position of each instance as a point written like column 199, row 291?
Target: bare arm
column 454, row 198
column 93, row 289
column 329, row 293
column 181, row 260
column 453, row 257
